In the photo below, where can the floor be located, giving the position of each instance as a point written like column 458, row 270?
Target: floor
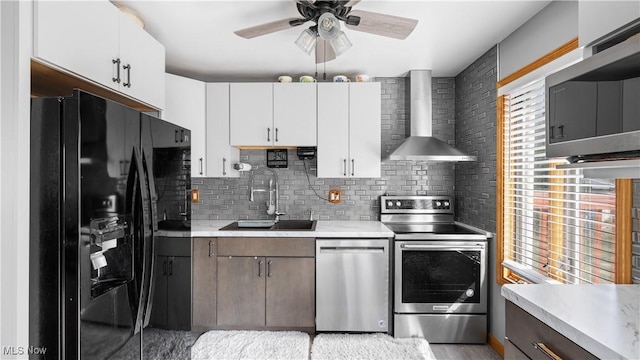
column 176, row 345
column 476, row 352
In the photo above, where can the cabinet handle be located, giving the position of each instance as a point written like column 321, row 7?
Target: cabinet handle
column 546, row 351
column 268, row 268
column 260, row 268
column 344, row 166
column 117, row 63
column 268, row 134
column 561, row 128
column 276, row 134
column 211, row 248
column 182, row 135
column 224, row 166
column 170, row 267
column 128, row 83
column 551, row 128
column 164, row 267
column 201, row 169
column 176, row 138
column 353, row 167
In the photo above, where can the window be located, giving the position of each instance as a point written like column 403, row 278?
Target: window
column 553, row 224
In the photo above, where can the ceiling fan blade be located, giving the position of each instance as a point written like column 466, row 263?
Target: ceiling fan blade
column 382, row 24
column 324, row 51
column 269, row 27
column 351, row 3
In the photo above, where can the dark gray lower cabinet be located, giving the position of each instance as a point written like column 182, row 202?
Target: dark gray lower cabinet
column 266, row 283
column 204, row 283
column 172, row 293
column 530, row 338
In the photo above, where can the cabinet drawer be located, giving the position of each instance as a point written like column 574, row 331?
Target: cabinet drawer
column 260, row 246
column 511, row 352
column 524, row 331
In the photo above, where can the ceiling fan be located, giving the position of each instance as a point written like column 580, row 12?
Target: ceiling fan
column 325, row 36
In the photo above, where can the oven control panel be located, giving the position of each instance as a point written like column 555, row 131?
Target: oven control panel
column 424, row 204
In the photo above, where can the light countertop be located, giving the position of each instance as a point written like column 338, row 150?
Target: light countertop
column 324, row 229
column 332, row 229
column 602, row 319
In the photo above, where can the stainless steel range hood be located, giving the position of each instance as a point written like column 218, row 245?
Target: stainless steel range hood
column 420, row 144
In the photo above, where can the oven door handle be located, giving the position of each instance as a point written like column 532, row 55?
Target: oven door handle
column 441, row 247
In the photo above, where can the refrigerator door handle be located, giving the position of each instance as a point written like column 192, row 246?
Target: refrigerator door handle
column 149, row 266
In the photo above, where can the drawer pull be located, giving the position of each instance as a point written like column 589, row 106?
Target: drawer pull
column 546, row 351
column 210, row 248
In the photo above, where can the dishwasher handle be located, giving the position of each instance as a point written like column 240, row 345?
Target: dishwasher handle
column 352, row 250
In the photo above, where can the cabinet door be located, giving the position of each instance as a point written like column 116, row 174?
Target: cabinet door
column 241, row 291
column 185, row 106
column 204, row 283
column 159, row 308
column 573, row 107
column 220, row 155
column 251, row 114
column 79, row 36
column 179, row 293
column 365, row 130
column 609, row 108
column 291, row 292
column 294, row 114
column 631, row 105
column 142, row 65
column 333, row 130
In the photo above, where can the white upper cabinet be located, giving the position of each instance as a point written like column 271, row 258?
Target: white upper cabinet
column 220, row 155
column 95, row 41
column 142, row 64
column 333, row 130
column 185, row 106
column 294, row 114
column 597, row 19
column 365, row 129
column 251, row 114
column 267, row 114
column 349, row 130
column 84, row 41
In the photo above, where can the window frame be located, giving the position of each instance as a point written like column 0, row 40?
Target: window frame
column 624, row 188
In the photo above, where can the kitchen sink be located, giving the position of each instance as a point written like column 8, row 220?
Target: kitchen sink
column 174, row 225
column 267, row 225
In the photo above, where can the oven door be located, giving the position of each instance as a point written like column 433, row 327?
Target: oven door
column 435, row 277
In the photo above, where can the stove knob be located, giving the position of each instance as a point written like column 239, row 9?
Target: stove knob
column 469, row 292
column 398, row 204
column 389, row 204
column 438, row 204
column 446, row 204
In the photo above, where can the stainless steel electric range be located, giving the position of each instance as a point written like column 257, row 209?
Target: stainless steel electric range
column 440, row 271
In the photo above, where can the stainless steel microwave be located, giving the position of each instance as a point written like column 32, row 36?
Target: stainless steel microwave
column 593, row 107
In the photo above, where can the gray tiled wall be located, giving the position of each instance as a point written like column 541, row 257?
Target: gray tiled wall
column 636, row 232
column 476, row 134
column 228, row 199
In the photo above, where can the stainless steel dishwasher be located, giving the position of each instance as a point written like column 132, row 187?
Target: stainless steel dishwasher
column 352, row 285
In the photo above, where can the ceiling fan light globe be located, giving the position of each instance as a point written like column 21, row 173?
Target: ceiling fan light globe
column 306, row 41
column 328, row 26
column 340, row 44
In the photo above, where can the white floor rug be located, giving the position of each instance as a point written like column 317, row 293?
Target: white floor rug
column 368, row 346
column 214, row 345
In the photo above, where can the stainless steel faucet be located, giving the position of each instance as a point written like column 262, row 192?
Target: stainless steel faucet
column 274, row 189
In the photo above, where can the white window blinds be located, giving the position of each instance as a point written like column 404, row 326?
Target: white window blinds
column 556, row 223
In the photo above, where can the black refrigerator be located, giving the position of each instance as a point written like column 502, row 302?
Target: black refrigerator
column 94, row 216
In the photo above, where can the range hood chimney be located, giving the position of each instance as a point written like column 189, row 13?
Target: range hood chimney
column 420, row 144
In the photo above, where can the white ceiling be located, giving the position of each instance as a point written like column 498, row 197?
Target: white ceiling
column 450, row 35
